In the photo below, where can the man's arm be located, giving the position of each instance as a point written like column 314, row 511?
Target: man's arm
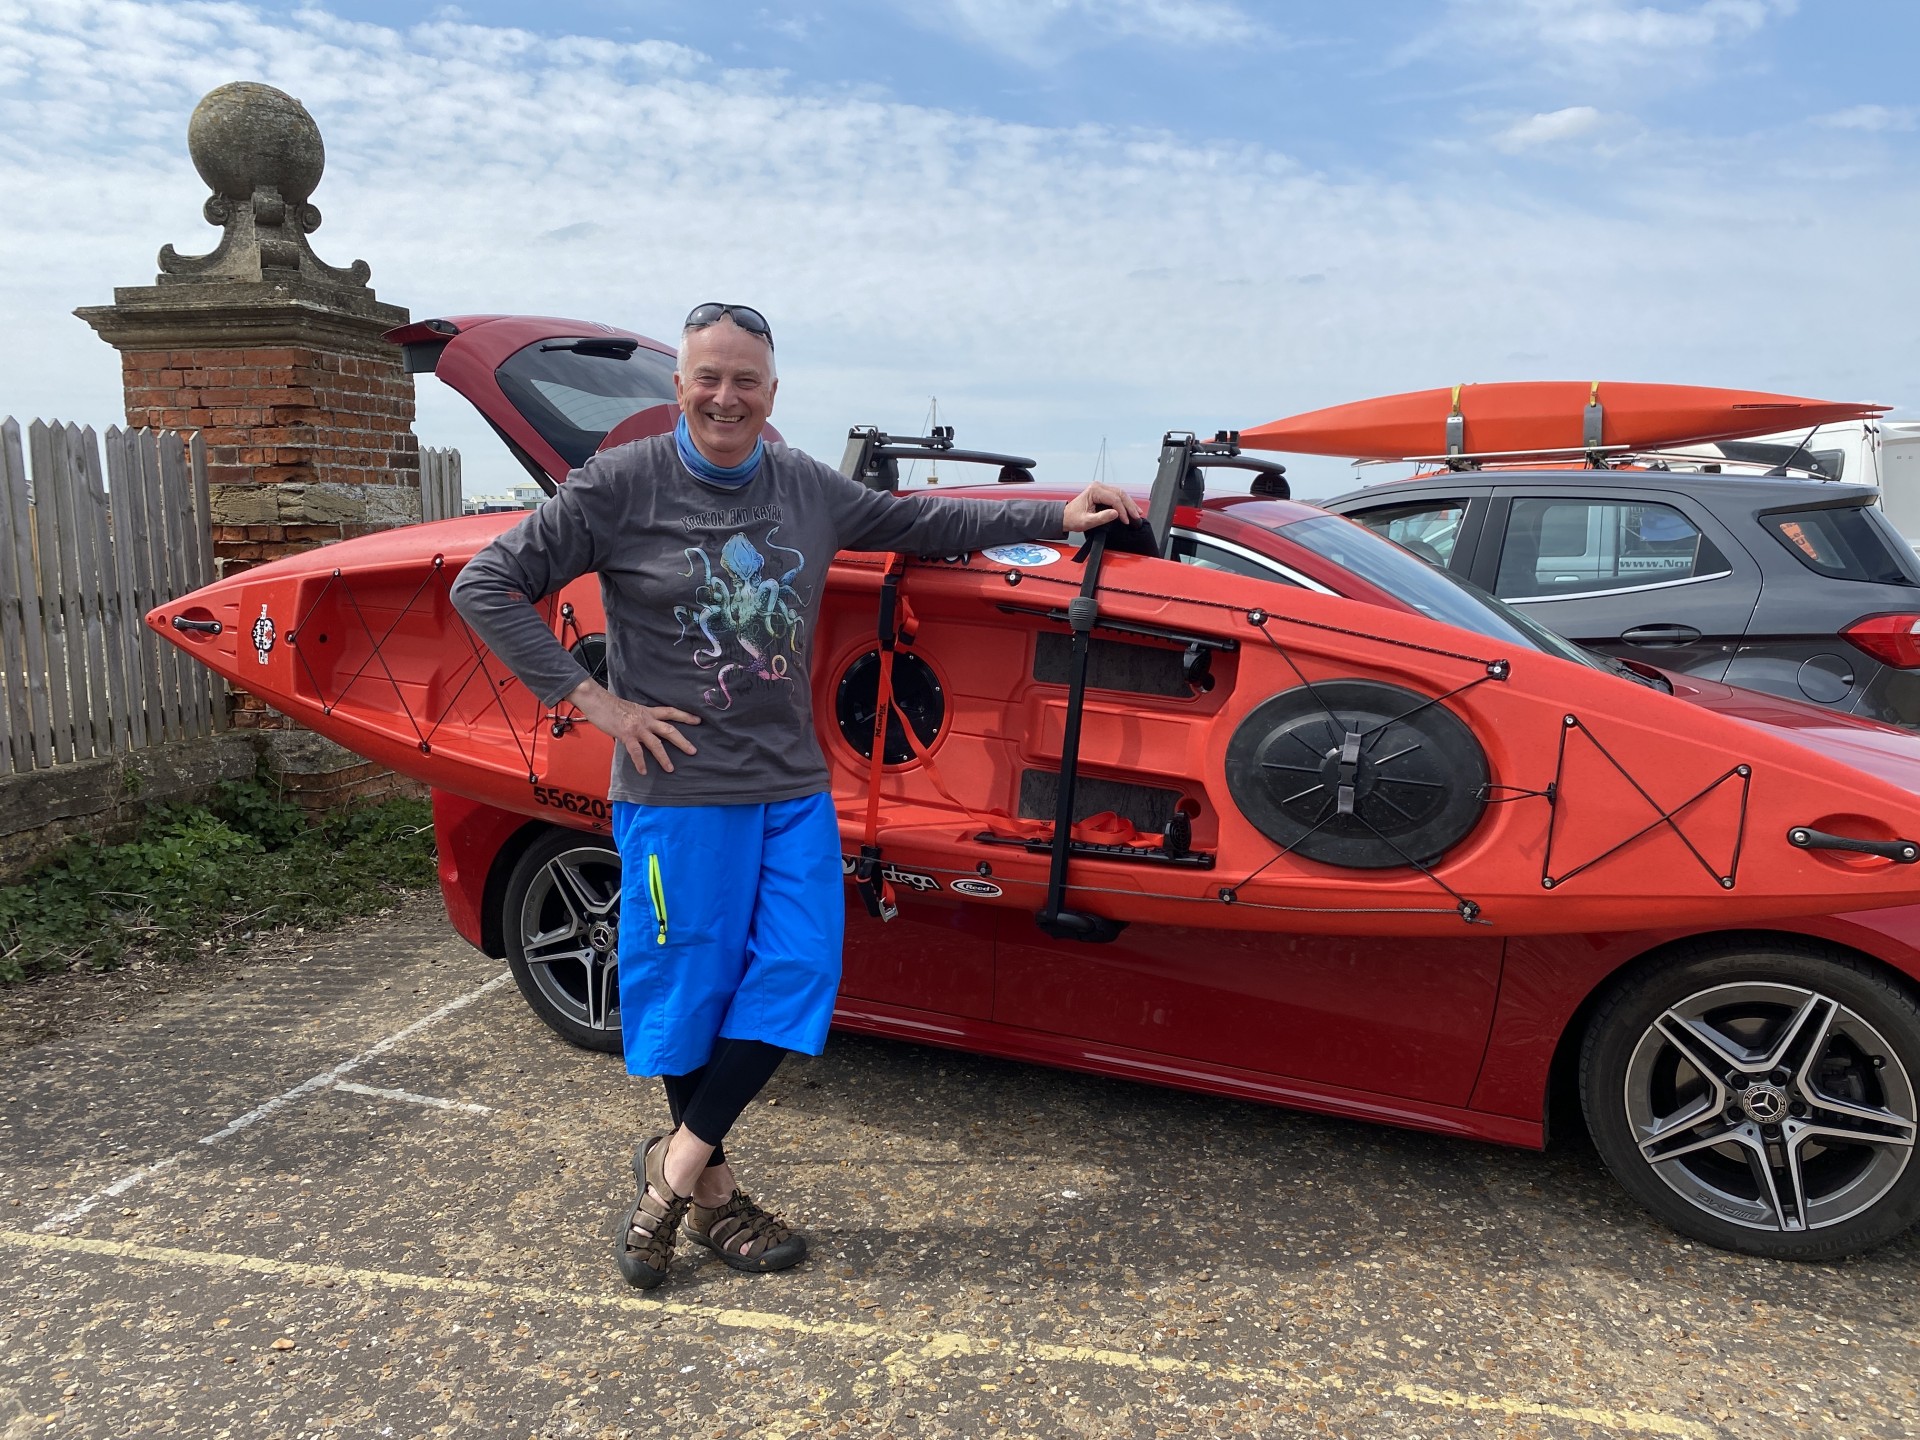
column 936, row 524
column 496, row 590
column 557, row 543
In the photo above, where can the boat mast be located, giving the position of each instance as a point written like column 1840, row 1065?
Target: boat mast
column 933, row 419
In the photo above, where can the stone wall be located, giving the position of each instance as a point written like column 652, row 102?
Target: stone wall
column 319, row 775
column 102, row 799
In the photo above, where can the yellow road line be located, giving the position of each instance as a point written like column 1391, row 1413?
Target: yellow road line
column 912, row 1348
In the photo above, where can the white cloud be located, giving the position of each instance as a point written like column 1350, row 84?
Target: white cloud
column 1872, row 117
column 1052, row 286
column 1551, row 128
column 1591, row 37
column 1032, row 29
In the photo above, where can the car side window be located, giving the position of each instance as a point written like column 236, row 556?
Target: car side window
column 1429, row 528
column 1191, row 550
column 1561, row 547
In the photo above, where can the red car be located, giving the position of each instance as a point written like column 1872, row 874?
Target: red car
column 1754, row 1088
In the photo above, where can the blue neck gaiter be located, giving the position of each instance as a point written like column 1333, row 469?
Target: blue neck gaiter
column 731, row 477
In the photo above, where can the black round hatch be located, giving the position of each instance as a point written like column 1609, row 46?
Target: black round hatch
column 1358, row 773
column 591, row 652
column 916, row 693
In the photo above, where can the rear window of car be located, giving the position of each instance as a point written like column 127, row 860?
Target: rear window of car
column 1850, row 542
column 573, row 397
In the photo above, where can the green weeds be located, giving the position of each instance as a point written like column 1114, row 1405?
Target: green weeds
column 245, row 861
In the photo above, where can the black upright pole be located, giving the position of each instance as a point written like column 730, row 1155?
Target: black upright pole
column 1082, row 612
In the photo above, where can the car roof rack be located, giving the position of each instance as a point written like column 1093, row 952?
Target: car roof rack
column 1181, row 478
column 1622, row 457
column 873, row 457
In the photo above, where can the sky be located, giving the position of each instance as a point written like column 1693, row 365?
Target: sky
column 1077, row 222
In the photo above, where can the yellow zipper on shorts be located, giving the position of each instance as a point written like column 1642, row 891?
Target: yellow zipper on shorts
column 657, row 890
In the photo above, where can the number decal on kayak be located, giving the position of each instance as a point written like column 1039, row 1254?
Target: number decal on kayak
column 569, row 801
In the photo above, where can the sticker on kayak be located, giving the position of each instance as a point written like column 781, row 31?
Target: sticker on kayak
column 1026, row 555
column 263, row 634
column 912, row 879
column 978, row 889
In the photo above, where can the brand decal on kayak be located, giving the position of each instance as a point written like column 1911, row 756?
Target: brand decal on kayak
column 978, row 889
column 1026, row 555
column 263, row 636
column 912, row 879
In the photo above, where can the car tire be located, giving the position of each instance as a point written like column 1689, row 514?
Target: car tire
column 560, row 916
column 1761, row 1101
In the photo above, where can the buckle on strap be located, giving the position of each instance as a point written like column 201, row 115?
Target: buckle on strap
column 889, row 608
column 869, row 878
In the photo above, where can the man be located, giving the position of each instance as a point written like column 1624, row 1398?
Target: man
column 712, row 549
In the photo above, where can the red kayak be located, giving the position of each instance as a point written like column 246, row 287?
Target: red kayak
column 1260, row 754
column 1543, row 417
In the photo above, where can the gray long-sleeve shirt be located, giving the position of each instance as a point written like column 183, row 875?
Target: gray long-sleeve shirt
column 711, row 596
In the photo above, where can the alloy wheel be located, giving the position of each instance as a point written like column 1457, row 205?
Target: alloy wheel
column 569, row 932
column 1770, row 1106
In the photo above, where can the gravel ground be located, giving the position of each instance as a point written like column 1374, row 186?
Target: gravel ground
column 354, row 1188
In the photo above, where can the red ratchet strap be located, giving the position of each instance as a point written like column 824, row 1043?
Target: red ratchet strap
column 869, row 875
column 1105, row 828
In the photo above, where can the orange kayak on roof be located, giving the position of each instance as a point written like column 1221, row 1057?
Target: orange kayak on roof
column 1543, row 417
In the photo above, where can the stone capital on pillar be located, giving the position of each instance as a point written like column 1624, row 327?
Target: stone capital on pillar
column 273, row 355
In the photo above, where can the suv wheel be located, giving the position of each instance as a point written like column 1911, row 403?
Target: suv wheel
column 1761, row 1101
column 561, row 919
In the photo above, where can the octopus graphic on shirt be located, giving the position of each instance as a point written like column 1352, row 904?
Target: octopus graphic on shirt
column 746, row 618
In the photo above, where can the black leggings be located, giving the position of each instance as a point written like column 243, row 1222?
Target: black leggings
column 708, row 1100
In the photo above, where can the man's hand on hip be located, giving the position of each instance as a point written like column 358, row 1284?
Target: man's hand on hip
column 643, row 729
column 1098, row 504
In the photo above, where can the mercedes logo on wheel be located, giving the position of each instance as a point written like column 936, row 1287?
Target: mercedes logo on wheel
column 1765, row 1103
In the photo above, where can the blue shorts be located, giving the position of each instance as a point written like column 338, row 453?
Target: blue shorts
column 731, row 918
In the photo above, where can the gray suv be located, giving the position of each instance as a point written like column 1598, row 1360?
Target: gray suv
column 1797, row 587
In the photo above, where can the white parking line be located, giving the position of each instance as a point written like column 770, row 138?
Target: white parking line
column 279, row 1102
column 435, row 1101
column 908, row 1354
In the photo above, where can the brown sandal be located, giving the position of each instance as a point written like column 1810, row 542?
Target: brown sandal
column 770, row 1242
column 644, row 1247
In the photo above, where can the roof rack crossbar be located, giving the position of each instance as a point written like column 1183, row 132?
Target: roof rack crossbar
column 873, row 456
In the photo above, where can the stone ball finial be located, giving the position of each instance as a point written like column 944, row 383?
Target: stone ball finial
column 260, row 153
column 246, row 136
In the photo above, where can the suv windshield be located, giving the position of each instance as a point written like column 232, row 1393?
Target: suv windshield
column 574, row 396
column 1437, row 594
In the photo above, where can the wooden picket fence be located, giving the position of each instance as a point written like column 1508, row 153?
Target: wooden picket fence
column 439, row 484
column 84, row 554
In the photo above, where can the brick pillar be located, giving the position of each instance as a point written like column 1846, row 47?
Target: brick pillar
column 272, row 354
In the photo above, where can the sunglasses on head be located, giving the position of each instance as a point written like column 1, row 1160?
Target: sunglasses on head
column 745, row 316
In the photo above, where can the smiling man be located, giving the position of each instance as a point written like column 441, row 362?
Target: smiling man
column 712, row 548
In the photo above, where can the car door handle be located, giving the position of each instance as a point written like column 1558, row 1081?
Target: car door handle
column 1660, row 635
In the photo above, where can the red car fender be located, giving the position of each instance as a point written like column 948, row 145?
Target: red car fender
column 478, row 844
